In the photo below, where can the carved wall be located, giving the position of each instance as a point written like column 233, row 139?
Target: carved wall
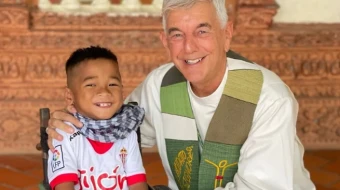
column 34, row 46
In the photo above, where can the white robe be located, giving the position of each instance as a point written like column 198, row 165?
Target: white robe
column 271, row 157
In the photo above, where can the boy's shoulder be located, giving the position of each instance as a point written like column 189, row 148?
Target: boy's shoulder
column 69, row 136
column 130, row 138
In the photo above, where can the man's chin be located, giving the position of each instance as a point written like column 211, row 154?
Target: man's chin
column 195, row 79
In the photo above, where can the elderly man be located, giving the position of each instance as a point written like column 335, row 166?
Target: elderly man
column 219, row 122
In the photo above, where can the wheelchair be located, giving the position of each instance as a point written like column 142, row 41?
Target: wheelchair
column 43, row 147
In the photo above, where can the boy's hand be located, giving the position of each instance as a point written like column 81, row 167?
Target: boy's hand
column 57, row 120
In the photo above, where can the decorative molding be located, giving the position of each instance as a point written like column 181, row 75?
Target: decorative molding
column 13, row 18
column 48, row 67
column 315, row 90
column 85, row 8
column 256, row 2
column 19, row 125
column 32, row 94
column 149, row 40
column 31, row 67
column 41, row 94
column 12, row 2
column 53, row 21
column 302, row 65
column 255, row 14
column 319, row 123
column 125, row 41
column 32, row 61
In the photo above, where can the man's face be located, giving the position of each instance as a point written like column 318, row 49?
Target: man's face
column 96, row 88
column 197, row 43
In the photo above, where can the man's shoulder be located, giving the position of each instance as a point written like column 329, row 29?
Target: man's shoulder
column 155, row 77
column 268, row 75
column 273, row 85
column 160, row 71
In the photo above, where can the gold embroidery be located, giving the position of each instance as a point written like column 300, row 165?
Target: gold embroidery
column 184, row 157
column 187, row 171
column 222, row 165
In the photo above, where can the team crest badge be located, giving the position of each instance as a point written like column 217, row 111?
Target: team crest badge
column 123, row 154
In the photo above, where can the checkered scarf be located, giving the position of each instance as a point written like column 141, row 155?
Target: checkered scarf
column 127, row 119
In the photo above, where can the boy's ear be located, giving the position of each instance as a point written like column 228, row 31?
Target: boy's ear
column 68, row 96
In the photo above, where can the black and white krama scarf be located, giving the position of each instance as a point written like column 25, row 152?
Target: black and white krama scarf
column 127, row 119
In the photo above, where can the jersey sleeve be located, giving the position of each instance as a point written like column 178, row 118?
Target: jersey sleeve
column 134, row 169
column 62, row 165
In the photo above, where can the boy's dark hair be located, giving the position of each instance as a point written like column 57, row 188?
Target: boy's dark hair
column 92, row 52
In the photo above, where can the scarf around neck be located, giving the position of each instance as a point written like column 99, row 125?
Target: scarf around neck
column 126, row 120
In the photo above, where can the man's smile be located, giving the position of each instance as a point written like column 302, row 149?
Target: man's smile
column 193, row 61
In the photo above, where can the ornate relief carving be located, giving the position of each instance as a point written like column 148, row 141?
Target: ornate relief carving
column 11, row 123
column 122, row 41
column 54, row 21
column 149, row 40
column 256, row 2
column 315, row 89
column 255, row 18
column 255, row 14
column 19, row 125
column 12, row 2
column 31, row 67
column 49, row 68
column 32, row 64
column 231, row 6
column 13, row 18
column 319, row 123
column 304, row 64
column 41, row 77
column 33, row 94
column 48, row 94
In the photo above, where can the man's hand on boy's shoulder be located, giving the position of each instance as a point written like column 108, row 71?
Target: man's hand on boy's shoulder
column 57, row 119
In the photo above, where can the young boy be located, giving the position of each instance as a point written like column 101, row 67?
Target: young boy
column 104, row 154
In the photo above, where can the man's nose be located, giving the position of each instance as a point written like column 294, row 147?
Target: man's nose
column 190, row 44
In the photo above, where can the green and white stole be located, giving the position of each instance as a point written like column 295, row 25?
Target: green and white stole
column 217, row 164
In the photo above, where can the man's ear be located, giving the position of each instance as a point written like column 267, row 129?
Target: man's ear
column 229, row 30
column 69, row 96
column 162, row 37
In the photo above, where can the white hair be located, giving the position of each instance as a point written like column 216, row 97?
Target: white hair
column 219, row 5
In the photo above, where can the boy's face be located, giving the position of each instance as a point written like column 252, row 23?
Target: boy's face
column 95, row 88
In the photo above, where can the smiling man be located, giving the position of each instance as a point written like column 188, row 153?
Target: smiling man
column 219, row 122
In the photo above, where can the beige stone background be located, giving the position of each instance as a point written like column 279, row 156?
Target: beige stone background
column 34, row 46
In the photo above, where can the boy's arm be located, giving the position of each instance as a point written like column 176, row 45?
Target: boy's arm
column 65, row 186
column 62, row 162
column 135, row 172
